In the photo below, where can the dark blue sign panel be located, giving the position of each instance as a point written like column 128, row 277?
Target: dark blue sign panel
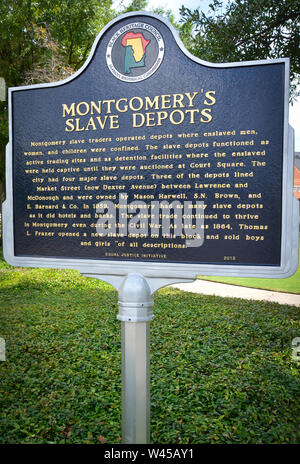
column 148, row 154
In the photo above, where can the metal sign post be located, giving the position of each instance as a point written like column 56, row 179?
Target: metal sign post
column 135, row 313
column 136, row 382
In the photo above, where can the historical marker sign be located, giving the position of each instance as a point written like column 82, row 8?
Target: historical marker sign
column 151, row 160
column 147, row 167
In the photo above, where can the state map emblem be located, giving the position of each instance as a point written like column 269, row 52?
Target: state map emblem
column 135, row 52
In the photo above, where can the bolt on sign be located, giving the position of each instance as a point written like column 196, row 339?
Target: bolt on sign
column 151, row 160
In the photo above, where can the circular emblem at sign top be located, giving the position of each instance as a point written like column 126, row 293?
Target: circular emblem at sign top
column 135, row 52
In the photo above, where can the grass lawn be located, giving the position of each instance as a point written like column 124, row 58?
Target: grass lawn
column 288, row 285
column 221, row 369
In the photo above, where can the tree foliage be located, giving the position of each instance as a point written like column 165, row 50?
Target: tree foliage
column 50, row 68
column 73, row 25
column 245, row 30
